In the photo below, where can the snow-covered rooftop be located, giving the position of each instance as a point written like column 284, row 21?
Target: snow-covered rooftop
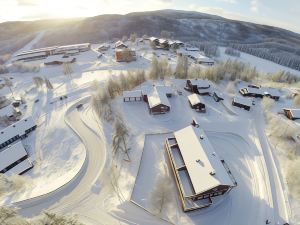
column 200, row 83
column 132, row 94
column 17, row 128
column 243, row 101
column 11, row 154
column 20, row 168
column 7, row 111
column 58, row 58
column 194, row 99
column 156, row 98
column 120, row 44
column 153, row 39
column 204, row 167
column 166, row 89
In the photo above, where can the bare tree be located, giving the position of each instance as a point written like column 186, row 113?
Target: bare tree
column 182, row 67
column 166, row 34
column 67, row 69
column 48, row 84
column 120, row 136
column 39, row 81
column 133, row 38
column 54, row 219
column 267, row 103
column 161, row 194
column 9, row 84
column 154, row 69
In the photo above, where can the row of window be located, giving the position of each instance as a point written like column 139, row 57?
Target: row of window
column 13, row 165
column 17, row 137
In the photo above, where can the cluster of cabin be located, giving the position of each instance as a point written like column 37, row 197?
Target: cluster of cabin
column 260, row 92
column 254, row 91
column 51, row 54
column 199, row 172
column 123, row 53
column 165, row 44
column 155, row 95
column 195, row 55
column 13, row 156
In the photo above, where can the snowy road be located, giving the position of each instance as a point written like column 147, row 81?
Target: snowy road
column 72, row 194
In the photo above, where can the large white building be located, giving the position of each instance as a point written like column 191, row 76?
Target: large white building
column 14, row 159
column 16, row 131
column 199, row 172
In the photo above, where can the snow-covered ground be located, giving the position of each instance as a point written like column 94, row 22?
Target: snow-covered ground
column 262, row 65
column 72, row 149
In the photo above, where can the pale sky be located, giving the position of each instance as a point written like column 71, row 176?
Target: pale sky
column 285, row 14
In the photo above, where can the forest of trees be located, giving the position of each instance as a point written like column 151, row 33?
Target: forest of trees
column 281, row 57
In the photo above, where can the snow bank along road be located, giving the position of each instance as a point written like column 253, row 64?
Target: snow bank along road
column 71, row 194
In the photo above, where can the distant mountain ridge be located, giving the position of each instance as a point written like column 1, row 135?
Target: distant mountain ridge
column 185, row 26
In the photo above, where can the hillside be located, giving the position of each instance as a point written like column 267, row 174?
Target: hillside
column 185, row 25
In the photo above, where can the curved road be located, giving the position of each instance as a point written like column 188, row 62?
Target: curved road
column 73, row 193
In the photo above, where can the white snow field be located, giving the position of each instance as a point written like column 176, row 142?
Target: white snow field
column 262, row 65
column 71, row 147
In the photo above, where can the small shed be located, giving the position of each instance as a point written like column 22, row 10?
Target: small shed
column 132, row 96
column 292, row 114
column 244, row 103
column 103, row 48
column 196, row 103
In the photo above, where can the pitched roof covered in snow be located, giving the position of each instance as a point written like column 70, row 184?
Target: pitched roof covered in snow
column 200, row 83
column 194, row 99
column 156, row 98
column 153, row 39
column 204, row 167
column 132, row 94
column 11, row 154
column 120, row 44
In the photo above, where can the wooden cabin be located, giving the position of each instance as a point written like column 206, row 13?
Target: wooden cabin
column 158, row 102
column 244, row 103
column 198, row 86
column 200, row 174
column 125, row 55
column 196, row 103
column 292, row 114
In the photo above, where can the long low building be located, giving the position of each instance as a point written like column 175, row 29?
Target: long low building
column 199, row 173
column 58, row 60
column 16, row 131
column 14, row 159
